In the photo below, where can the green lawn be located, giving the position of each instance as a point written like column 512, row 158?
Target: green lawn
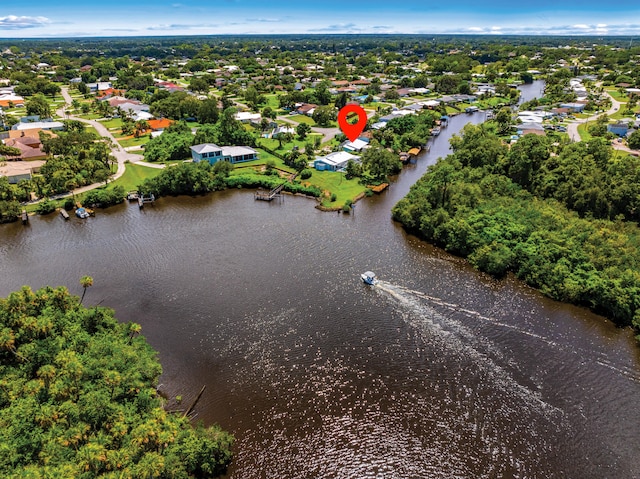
column 582, row 131
column 327, row 181
column 333, row 182
column 113, row 123
column 143, row 140
column 272, row 101
column 91, row 116
column 272, row 144
column 133, row 176
column 622, row 97
column 303, row 119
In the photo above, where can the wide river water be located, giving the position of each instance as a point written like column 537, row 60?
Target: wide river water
column 438, row 372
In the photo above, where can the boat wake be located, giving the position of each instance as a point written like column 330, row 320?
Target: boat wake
column 419, row 301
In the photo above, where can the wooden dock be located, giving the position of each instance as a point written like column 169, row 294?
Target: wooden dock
column 268, row 196
column 379, row 188
column 133, row 196
column 142, row 200
column 64, row 213
column 25, row 217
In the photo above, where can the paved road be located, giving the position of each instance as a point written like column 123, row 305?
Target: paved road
column 117, row 150
column 572, row 128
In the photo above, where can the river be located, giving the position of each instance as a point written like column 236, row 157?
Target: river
column 439, row 372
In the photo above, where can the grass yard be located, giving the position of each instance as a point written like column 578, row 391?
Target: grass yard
column 91, row 116
column 133, row 176
column 143, row 140
column 113, row 123
column 303, row 119
column 90, row 129
column 328, row 181
column 333, row 182
column 582, row 131
column 272, row 144
column 622, row 97
column 272, row 101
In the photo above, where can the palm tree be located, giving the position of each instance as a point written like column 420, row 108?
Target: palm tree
column 85, row 282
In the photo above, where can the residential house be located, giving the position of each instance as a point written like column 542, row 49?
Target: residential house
column 357, row 145
column 213, row 153
column 10, row 99
column 531, row 128
column 30, row 148
column 574, row 107
column 99, row 86
column 306, row 109
column 620, row 129
column 20, row 170
column 248, row 117
column 335, row 161
column 44, row 125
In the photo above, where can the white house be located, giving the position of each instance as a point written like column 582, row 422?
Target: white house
column 335, row 161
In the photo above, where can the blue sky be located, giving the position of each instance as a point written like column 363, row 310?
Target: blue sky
column 46, row 18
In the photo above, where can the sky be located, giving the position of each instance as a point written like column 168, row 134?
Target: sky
column 86, row 18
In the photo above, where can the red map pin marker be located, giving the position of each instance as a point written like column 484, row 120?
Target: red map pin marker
column 352, row 131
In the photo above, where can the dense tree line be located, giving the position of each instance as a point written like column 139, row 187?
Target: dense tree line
column 201, row 178
column 78, row 397
column 76, row 159
column 505, row 211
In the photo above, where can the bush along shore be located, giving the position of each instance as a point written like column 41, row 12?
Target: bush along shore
column 561, row 218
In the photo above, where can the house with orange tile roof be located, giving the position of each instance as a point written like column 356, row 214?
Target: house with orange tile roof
column 11, row 99
column 161, row 124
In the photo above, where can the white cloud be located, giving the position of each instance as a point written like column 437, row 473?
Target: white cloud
column 264, row 20
column 13, row 22
column 179, row 26
column 581, row 26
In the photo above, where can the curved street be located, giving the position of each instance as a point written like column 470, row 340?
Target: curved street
column 119, row 153
column 572, row 128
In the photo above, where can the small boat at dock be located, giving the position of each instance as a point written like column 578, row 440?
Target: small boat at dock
column 82, row 213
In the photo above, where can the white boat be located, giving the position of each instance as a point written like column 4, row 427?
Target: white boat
column 82, row 213
column 369, row 277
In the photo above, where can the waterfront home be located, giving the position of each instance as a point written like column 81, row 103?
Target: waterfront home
column 20, row 170
column 30, row 148
column 336, row 161
column 213, row 153
column 355, row 146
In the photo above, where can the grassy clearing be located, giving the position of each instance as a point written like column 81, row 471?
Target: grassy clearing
column 621, row 97
column 272, row 101
column 133, row 176
column 584, row 134
column 113, row 123
column 327, row 181
column 143, row 140
column 333, row 182
column 303, row 119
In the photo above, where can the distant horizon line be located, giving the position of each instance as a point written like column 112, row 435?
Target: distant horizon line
column 345, row 34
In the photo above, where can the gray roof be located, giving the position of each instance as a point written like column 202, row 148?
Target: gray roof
column 237, row 150
column 205, row 148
